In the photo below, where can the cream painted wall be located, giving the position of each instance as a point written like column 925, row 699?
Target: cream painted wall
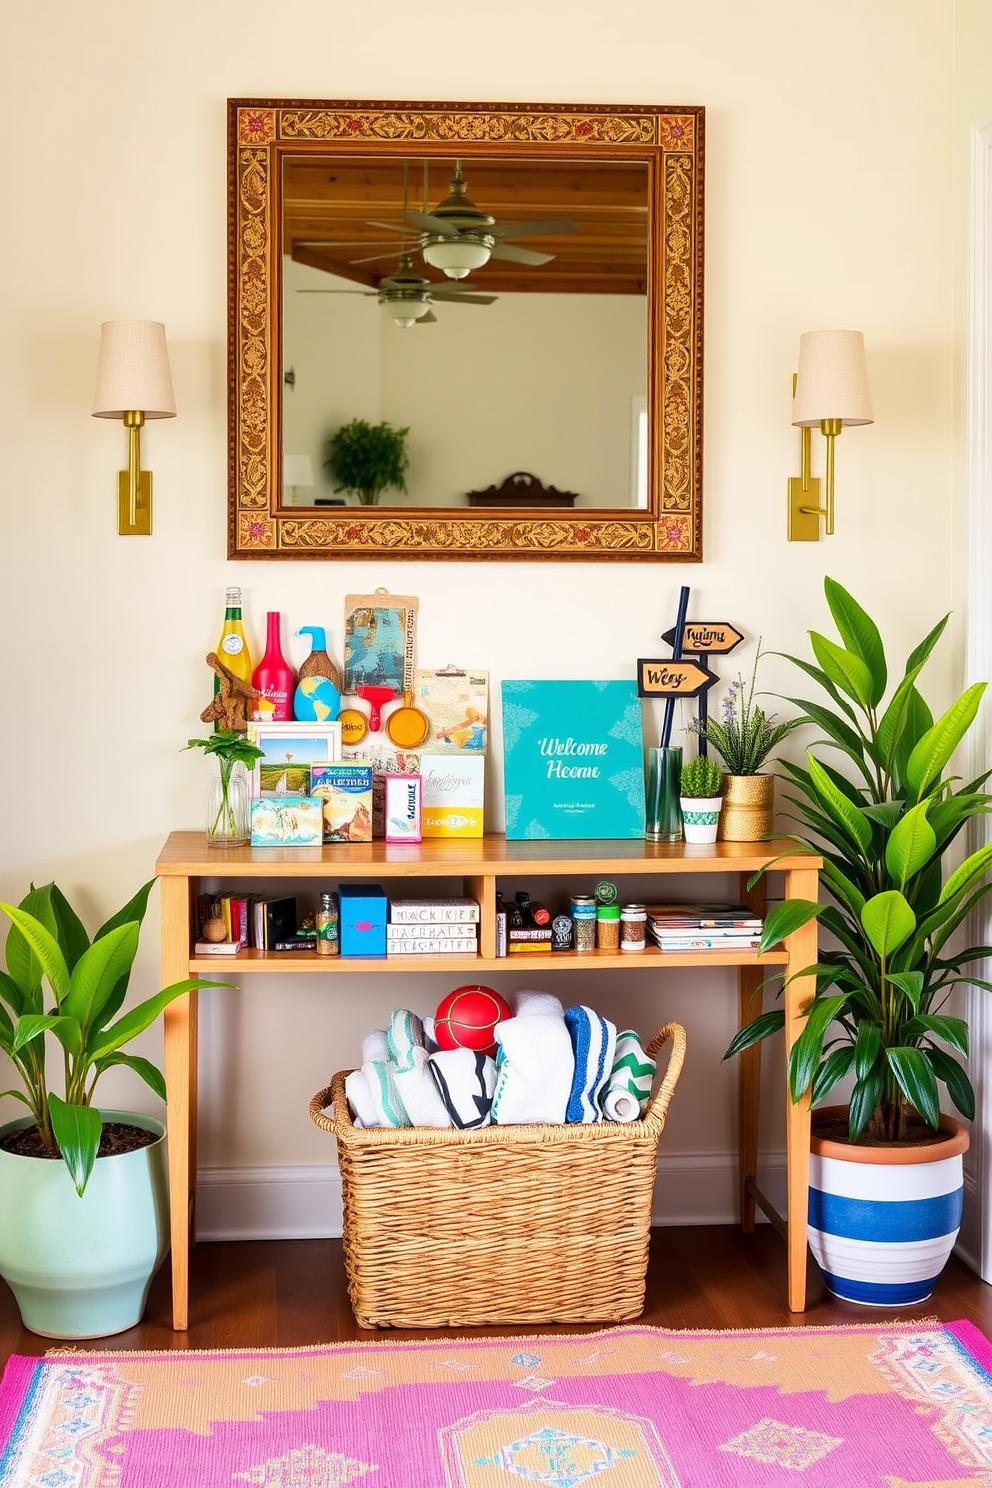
column 832, row 153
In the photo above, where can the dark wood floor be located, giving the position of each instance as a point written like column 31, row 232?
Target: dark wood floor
column 262, row 1294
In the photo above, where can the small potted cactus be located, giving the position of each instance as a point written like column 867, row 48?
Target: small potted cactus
column 701, row 800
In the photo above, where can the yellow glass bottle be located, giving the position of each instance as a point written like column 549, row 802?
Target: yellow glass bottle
column 232, row 648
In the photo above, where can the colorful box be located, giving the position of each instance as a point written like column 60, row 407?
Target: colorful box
column 363, row 919
column 454, row 794
column 401, row 808
column 286, row 821
column 346, row 792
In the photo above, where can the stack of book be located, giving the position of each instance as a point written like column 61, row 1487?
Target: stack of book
column 432, row 927
column 704, row 927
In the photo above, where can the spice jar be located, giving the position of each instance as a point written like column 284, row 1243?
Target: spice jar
column 633, row 927
column 607, row 927
column 583, row 909
column 328, row 928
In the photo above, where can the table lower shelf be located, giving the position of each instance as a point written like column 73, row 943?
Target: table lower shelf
column 309, row 962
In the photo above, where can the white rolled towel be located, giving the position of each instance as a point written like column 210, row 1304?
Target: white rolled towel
column 534, row 1063
column 362, row 1106
column 628, row 1089
column 389, row 1107
column 465, row 1081
column 374, row 1045
column 408, row 1060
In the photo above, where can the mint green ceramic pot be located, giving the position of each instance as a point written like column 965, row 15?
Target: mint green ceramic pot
column 81, row 1267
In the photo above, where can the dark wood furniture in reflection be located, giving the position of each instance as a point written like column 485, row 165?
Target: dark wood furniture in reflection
column 522, row 489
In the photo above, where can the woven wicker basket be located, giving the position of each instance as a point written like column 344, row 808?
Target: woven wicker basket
column 508, row 1224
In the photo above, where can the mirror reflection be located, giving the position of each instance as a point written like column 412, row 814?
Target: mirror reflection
column 495, row 307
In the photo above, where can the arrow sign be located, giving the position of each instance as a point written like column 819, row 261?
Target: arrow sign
column 673, row 678
column 704, row 636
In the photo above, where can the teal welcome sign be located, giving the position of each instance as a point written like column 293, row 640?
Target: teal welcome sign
column 573, row 760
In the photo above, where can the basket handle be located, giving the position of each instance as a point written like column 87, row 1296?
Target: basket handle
column 657, row 1107
column 318, row 1105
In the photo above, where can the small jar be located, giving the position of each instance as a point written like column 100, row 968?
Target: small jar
column 328, row 928
column 633, row 927
column 583, row 909
column 607, row 927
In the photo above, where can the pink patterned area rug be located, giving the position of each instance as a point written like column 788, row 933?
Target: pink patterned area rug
column 894, row 1405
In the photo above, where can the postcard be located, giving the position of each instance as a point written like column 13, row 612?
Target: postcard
column 291, row 745
column 345, row 789
column 454, row 794
column 457, row 704
column 286, row 821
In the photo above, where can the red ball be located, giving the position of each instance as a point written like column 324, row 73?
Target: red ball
column 465, row 1019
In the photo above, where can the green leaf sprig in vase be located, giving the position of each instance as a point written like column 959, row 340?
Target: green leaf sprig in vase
column 885, row 823
column 227, row 804
column 746, row 739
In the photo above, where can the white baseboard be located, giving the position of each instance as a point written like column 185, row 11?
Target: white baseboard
column 304, row 1203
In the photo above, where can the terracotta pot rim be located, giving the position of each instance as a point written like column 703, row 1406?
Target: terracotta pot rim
column 956, row 1141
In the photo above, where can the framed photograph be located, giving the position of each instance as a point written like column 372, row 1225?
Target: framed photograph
column 290, row 745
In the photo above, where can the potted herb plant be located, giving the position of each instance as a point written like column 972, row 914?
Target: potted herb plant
column 84, row 1217
column 367, row 459
column 886, row 1174
column 227, row 813
column 746, row 737
column 701, row 800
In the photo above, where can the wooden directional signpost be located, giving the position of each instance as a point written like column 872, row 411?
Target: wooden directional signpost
column 704, row 637
column 684, row 677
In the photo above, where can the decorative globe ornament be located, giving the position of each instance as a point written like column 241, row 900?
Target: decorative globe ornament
column 316, row 700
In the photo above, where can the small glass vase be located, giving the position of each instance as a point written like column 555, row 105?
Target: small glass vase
column 663, row 814
column 227, row 811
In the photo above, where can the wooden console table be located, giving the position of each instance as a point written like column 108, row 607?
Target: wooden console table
column 186, row 867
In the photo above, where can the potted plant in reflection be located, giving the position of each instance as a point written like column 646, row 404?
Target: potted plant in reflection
column 886, row 1181
column 84, row 1217
column 367, row 459
column 746, row 738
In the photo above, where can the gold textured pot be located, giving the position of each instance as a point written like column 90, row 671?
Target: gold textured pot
column 748, row 807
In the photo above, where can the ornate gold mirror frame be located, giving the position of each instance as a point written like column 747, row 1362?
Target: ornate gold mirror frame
column 668, row 140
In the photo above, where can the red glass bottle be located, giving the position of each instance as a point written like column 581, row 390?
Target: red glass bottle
column 273, row 676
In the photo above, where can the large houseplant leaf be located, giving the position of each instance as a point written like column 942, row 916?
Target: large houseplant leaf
column 934, row 750
column 77, row 1131
column 860, row 635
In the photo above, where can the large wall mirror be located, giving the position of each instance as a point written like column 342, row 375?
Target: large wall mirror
column 519, row 287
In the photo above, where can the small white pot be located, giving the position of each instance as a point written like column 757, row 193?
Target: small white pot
column 700, row 817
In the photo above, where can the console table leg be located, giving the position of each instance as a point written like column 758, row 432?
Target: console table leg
column 801, row 947
column 749, row 979
column 179, row 1022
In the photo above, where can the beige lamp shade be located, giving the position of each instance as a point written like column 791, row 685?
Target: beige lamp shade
column 832, row 380
column 297, row 470
column 133, row 371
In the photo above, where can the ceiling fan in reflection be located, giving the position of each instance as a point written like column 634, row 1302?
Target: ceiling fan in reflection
column 458, row 236
column 406, row 296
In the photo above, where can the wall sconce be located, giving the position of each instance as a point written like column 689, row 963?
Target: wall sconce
column 831, row 390
column 133, row 383
column 297, row 470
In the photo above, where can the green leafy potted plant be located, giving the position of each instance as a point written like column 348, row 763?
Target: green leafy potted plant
column 885, row 827
column 746, row 737
column 227, row 818
column 699, row 786
column 367, row 459
column 84, row 1213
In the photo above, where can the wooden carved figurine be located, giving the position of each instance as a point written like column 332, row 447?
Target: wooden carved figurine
column 227, row 707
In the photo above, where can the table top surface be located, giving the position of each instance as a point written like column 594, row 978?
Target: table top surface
column 185, row 854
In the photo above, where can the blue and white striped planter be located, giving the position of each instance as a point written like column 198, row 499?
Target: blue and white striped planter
column 883, row 1221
